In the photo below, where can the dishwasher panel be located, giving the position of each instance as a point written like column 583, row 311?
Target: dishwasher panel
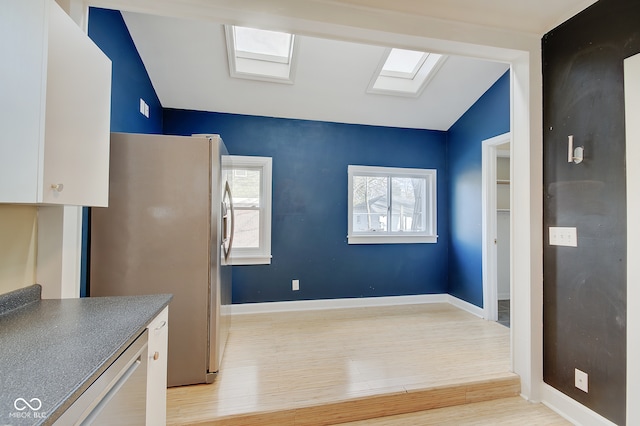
column 118, row 396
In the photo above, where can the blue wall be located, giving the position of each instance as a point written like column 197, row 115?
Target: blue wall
column 129, row 83
column 487, row 118
column 310, row 187
column 130, row 80
column 309, row 225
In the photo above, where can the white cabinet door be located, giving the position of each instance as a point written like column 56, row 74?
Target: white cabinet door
column 55, row 108
column 157, row 369
column 78, row 100
column 22, row 82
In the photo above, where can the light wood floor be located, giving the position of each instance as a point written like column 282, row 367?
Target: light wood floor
column 310, row 367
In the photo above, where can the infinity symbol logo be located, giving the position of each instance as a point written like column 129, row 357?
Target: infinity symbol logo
column 21, row 404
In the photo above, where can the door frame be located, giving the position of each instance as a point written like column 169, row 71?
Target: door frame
column 632, row 127
column 375, row 26
column 490, row 225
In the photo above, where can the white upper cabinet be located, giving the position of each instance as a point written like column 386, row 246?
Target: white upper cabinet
column 55, row 95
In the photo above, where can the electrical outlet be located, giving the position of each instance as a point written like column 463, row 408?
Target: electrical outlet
column 582, row 381
column 295, row 285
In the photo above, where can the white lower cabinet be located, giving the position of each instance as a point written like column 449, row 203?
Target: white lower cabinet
column 157, row 369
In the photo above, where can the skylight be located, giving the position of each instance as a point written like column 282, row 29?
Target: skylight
column 405, row 72
column 260, row 54
column 262, row 44
column 403, row 63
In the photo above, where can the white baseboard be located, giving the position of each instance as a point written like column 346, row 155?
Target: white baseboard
column 571, row 409
column 465, row 306
column 356, row 302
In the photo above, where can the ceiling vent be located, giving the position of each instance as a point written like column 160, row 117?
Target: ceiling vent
column 260, row 54
column 405, row 72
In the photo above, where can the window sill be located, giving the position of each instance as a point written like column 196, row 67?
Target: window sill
column 250, row 260
column 392, row 239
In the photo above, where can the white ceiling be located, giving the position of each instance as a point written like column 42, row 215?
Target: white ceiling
column 187, row 63
column 528, row 16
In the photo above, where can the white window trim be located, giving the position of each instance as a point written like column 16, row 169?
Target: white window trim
column 429, row 236
column 261, row 255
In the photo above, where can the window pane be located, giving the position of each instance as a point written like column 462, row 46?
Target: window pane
column 407, row 204
column 391, row 205
column 245, row 187
column 370, row 205
column 403, row 62
column 246, row 232
column 263, row 42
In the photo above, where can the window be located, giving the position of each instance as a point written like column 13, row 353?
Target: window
column 262, row 45
column 250, row 182
column 391, row 205
column 405, row 72
column 260, row 54
column 403, row 63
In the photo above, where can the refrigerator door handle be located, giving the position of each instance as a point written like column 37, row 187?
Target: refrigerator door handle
column 227, row 217
column 233, row 218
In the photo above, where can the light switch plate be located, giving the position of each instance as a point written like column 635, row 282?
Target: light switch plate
column 563, row 236
column 144, row 108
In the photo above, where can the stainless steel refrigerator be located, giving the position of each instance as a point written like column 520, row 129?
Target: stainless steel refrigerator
column 169, row 229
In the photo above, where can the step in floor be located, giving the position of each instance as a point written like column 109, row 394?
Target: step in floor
column 378, row 406
column 505, row 411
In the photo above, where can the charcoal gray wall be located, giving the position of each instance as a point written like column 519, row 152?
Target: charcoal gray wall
column 585, row 286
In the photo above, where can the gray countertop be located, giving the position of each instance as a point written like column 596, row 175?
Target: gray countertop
column 52, row 350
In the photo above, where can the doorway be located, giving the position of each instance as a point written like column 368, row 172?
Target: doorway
column 338, row 20
column 496, row 228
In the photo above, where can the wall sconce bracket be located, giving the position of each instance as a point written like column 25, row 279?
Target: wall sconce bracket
column 575, row 155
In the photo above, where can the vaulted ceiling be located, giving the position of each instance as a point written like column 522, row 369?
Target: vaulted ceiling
column 187, row 62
